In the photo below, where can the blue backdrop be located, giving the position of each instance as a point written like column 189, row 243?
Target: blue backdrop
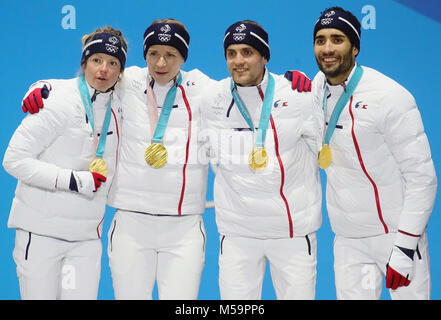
column 43, row 40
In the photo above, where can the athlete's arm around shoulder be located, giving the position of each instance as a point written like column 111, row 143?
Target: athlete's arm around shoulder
column 311, row 115
column 212, row 98
column 134, row 78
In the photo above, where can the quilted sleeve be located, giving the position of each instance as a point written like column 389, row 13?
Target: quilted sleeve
column 34, row 134
column 406, row 139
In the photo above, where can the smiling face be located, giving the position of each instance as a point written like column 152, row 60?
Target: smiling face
column 102, row 71
column 163, row 62
column 334, row 54
column 245, row 64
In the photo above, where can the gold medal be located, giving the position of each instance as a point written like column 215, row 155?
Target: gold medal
column 156, row 155
column 98, row 165
column 258, row 159
column 324, row 157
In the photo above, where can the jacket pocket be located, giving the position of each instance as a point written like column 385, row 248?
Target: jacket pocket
column 221, row 244
column 111, row 235
column 28, row 245
column 308, row 242
column 201, row 227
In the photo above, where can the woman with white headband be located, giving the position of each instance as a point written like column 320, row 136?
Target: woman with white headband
column 64, row 159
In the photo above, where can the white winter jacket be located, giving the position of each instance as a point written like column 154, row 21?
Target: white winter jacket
column 50, row 144
column 179, row 187
column 382, row 177
column 284, row 200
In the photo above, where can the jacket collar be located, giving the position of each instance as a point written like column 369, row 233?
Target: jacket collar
column 343, row 84
column 252, row 90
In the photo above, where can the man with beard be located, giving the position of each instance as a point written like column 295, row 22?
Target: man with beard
column 267, row 193
column 381, row 182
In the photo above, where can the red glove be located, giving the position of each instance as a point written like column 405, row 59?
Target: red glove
column 395, row 279
column 299, row 81
column 98, row 179
column 400, row 268
column 34, row 100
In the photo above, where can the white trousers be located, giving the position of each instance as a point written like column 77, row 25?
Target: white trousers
column 360, row 268
column 50, row 268
column 242, row 264
column 146, row 248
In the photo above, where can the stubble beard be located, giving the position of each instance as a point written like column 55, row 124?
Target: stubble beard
column 346, row 64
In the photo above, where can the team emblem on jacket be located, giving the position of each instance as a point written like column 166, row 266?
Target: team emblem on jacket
column 280, row 103
column 360, row 105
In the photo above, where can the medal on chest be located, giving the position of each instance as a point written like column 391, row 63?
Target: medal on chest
column 258, row 158
column 98, row 164
column 156, row 154
column 325, row 154
column 324, row 157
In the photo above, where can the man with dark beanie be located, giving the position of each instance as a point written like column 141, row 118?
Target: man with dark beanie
column 267, row 189
column 381, row 182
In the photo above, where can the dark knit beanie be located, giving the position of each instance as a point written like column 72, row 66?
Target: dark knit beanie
column 343, row 20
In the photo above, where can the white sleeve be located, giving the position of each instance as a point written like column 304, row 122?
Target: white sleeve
column 405, row 137
column 312, row 124
column 209, row 133
column 31, row 138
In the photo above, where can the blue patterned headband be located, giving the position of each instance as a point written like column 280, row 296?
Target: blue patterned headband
column 167, row 34
column 105, row 43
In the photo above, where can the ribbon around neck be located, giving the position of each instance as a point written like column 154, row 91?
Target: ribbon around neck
column 264, row 114
column 87, row 102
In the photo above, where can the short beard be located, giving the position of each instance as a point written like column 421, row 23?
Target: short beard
column 344, row 67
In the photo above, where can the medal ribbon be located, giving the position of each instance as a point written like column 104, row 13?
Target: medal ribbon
column 264, row 114
column 152, row 108
column 341, row 103
column 166, row 111
column 87, row 102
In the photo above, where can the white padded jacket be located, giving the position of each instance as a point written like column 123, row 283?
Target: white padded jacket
column 382, row 177
column 283, row 200
column 47, row 146
column 179, row 187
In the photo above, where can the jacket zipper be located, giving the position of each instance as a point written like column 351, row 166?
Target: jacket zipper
column 360, row 159
column 282, row 169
